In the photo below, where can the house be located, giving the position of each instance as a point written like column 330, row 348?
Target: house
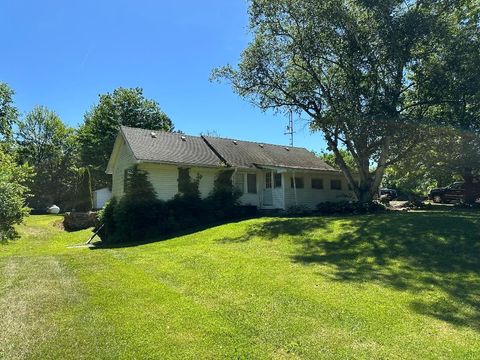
column 268, row 176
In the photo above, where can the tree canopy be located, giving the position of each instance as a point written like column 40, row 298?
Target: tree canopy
column 450, row 79
column 44, row 142
column 97, row 134
column 348, row 65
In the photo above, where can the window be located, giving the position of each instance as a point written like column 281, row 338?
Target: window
column 126, row 175
column 268, row 180
column 298, row 182
column 252, row 183
column 240, row 182
column 278, row 180
column 335, row 184
column 317, row 183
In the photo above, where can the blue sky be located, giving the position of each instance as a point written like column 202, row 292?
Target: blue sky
column 62, row 54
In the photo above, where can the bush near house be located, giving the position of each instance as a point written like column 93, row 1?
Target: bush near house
column 349, row 207
column 140, row 215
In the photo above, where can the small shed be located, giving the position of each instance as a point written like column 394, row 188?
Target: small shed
column 100, row 197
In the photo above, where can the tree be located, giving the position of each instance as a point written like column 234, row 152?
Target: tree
column 49, row 146
column 330, row 159
column 97, row 135
column 347, row 65
column 8, row 112
column 451, row 79
column 138, row 186
column 13, row 194
column 84, row 201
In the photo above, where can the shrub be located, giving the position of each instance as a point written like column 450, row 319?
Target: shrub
column 223, row 200
column 297, row 210
column 349, row 207
column 13, row 193
column 105, row 218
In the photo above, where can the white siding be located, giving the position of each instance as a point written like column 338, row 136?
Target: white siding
column 164, row 179
column 124, row 161
column 311, row 197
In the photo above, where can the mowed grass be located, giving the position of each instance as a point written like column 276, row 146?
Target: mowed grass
column 394, row 286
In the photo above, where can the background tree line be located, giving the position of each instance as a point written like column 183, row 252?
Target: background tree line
column 43, row 161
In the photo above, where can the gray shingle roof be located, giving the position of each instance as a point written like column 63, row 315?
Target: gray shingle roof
column 166, row 147
column 246, row 154
column 169, row 147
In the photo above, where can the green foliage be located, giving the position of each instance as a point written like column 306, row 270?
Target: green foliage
column 8, row 112
column 137, row 184
column 188, row 187
column 97, row 134
column 348, row 67
column 84, row 201
column 105, row 218
column 330, row 159
column 44, row 142
column 13, row 194
column 224, row 196
column 349, row 207
column 452, row 82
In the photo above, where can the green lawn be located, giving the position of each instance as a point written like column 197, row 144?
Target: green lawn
column 401, row 285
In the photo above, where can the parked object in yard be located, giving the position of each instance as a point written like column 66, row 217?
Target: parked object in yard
column 452, row 193
column 388, row 194
column 54, row 209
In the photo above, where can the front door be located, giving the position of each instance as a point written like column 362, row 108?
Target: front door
column 267, row 191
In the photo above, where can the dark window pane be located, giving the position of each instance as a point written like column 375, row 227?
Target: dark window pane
column 317, row 183
column 252, row 183
column 336, row 184
column 278, row 180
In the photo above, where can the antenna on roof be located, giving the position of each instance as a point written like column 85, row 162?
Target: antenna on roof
column 290, row 130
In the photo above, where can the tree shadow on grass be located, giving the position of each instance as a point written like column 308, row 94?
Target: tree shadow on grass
column 417, row 252
column 99, row 245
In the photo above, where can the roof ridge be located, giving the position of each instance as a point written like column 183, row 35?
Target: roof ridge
column 220, row 157
column 161, row 130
